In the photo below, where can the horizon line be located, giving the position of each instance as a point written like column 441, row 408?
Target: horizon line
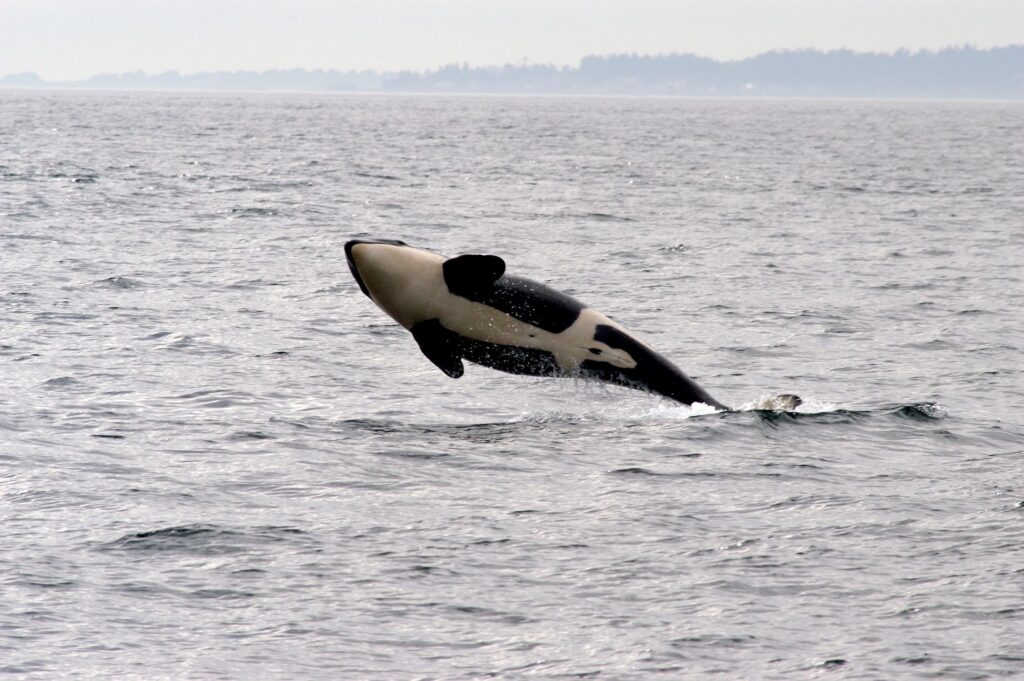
column 525, row 63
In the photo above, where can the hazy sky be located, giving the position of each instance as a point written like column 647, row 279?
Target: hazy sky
column 71, row 39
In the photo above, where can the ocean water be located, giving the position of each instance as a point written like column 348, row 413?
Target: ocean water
column 218, row 460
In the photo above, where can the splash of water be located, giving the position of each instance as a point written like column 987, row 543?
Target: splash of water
column 769, row 402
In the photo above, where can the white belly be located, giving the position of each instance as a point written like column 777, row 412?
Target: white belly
column 570, row 347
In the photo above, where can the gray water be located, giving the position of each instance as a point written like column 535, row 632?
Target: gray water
column 218, row 460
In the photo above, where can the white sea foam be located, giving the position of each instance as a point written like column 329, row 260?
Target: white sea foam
column 770, row 402
column 671, row 410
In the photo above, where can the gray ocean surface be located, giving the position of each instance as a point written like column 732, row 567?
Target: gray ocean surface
column 218, row 459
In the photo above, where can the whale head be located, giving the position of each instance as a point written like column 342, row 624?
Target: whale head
column 395, row 276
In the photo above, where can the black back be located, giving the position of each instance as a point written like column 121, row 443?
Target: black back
column 528, row 301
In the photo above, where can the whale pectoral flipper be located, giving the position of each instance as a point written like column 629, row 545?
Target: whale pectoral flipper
column 468, row 273
column 438, row 345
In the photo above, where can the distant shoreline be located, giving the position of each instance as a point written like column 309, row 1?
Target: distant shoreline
column 961, row 73
column 511, row 95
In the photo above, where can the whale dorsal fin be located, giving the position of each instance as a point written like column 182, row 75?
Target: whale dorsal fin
column 467, row 273
column 437, row 344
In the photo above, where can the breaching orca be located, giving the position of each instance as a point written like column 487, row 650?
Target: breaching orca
column 468, row 308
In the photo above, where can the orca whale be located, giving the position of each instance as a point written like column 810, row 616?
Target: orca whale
column 468, row 308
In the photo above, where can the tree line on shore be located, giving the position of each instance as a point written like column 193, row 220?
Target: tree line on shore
column 960, row 72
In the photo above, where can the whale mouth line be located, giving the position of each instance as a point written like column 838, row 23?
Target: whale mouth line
column 352, row 267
